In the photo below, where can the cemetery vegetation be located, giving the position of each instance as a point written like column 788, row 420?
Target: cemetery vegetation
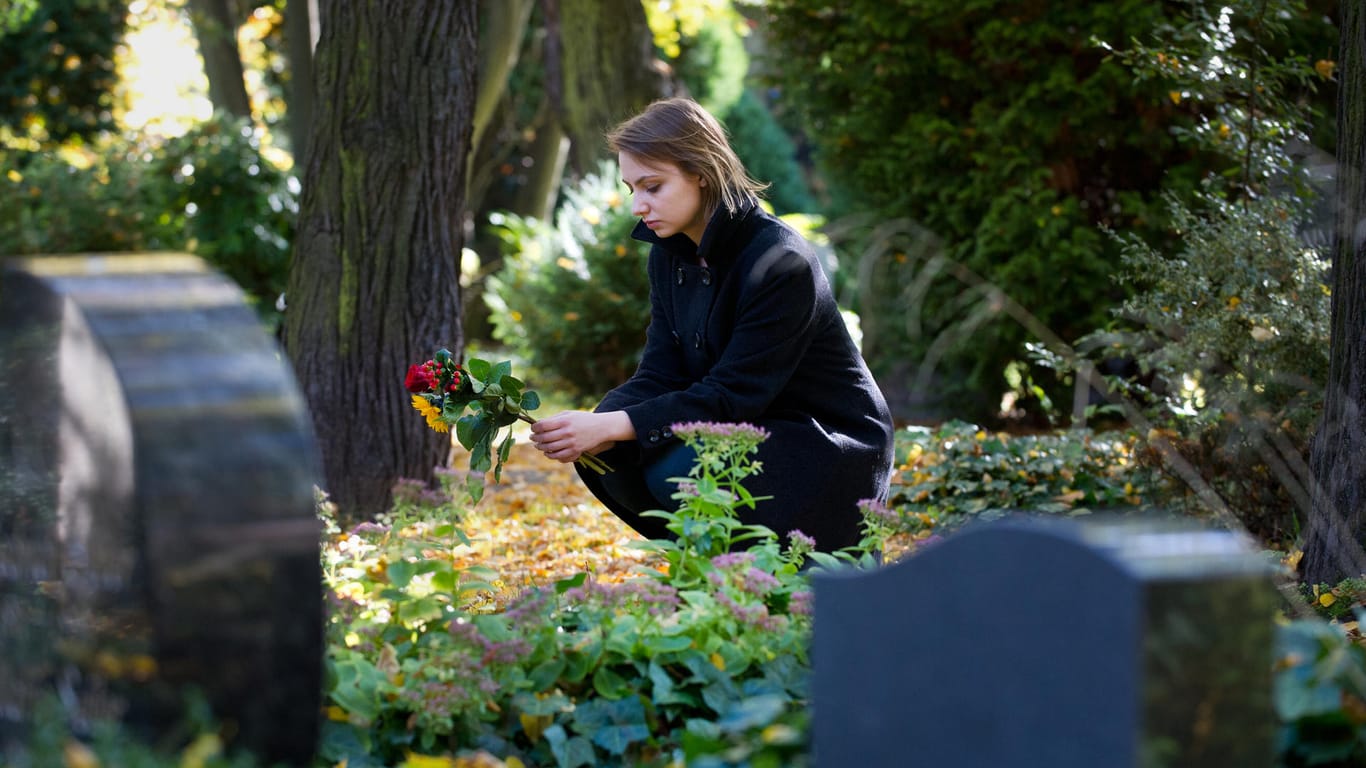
column 211, row 191
column 58, row 68
column 702, row 652
column 1005, row 138
column 694, row 650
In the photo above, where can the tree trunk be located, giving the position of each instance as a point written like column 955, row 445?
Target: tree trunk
column 502, row 26
column 1337, row 524
column 610, row 72
column 299, row 24
column 216, row 30
column 549, row 152
column 374, row 283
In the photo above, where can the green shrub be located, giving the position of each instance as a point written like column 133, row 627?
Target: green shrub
column 1227, row 327
column 769, row 154
column 715, row 67
column 959, row 473
column 57, row 67
column 209, row 192
column 572, row 299
column 1001, row 137
column 1230, row 337
column 238, row 208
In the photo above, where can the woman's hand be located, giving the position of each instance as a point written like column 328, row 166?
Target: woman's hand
column 568, row 435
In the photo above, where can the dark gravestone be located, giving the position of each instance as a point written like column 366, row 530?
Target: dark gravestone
column 157, row 524
column 1110, row 644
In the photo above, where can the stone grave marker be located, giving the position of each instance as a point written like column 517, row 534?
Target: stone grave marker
column 1114, row 644
column 157, row 524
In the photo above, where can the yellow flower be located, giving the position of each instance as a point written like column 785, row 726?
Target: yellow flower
column 431, row 412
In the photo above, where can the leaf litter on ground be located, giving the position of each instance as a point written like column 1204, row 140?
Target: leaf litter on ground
column 540, row 525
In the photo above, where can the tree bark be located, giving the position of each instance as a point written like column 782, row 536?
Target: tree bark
column 610, row 72
column 374, row 283
column 1337, row 524
column 299, row 24
column 216, row 30
column 503, row 23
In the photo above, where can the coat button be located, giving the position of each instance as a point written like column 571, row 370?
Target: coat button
column 696, row 340
column 706, row 277
column 654, row 435
column 680, row 275
column 667, row 433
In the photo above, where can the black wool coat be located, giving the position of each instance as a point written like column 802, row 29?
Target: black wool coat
column 756, row 336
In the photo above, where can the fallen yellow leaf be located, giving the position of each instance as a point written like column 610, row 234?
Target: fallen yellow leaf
column 77, row 755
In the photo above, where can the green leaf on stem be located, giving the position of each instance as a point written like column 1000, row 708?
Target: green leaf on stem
column 470, row 430
column 478, row 369
column 504, row 451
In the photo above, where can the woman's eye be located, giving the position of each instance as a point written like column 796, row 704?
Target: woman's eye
column 652, row 188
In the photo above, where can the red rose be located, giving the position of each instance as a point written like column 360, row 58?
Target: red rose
column 419, row 379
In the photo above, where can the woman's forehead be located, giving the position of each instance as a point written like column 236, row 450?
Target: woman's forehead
column 633, row 167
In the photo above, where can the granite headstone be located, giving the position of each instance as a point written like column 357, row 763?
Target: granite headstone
column 158, row 533
column 1050, row 643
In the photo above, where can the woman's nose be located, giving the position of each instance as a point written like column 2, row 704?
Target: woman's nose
column 637, row 207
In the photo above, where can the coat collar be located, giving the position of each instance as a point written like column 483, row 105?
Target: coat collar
column 722, row 227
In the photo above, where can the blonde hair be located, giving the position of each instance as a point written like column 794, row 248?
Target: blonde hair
column 679, row 131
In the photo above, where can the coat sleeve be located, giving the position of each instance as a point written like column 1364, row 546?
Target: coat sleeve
column 772, row 331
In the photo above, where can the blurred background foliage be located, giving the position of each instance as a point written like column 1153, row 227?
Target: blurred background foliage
column 970, row 164
column 1003, row 137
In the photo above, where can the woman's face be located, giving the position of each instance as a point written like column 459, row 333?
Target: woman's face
column 666, row 198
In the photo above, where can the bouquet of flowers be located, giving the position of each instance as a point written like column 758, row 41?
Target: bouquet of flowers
column 480, row 399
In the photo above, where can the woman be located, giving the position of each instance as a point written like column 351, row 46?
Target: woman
column 743, row 328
